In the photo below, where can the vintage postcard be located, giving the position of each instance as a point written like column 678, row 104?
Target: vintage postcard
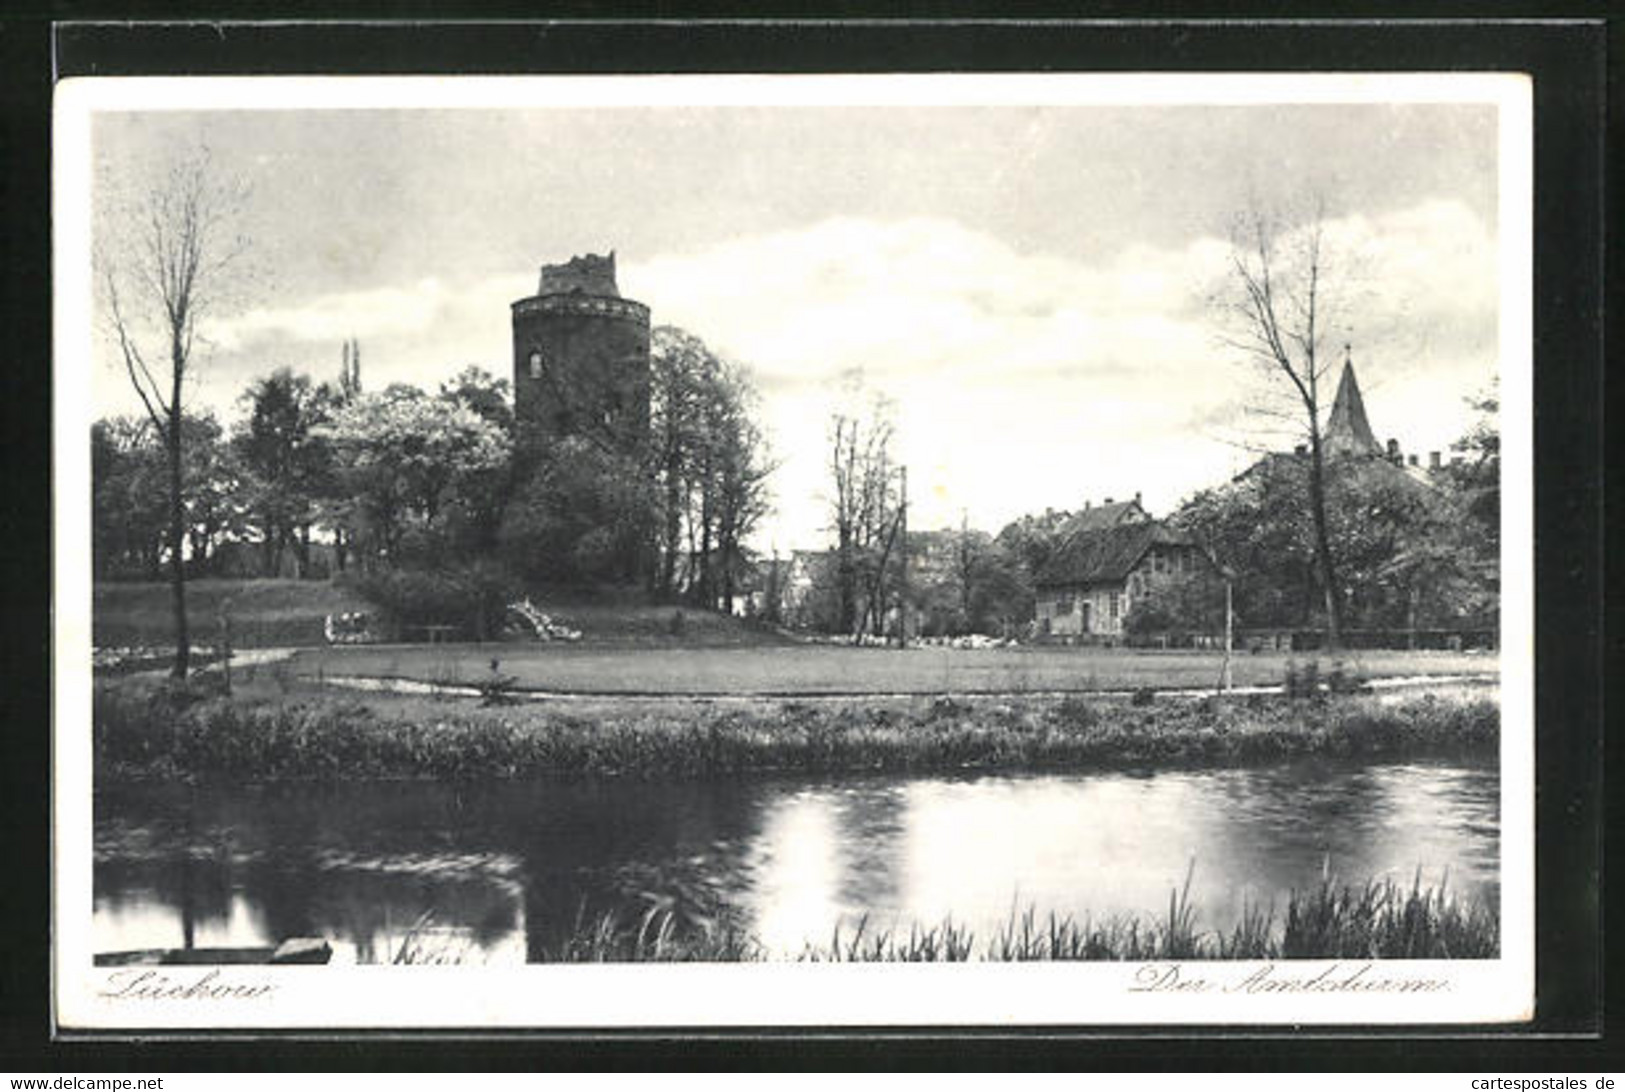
column 794, row 551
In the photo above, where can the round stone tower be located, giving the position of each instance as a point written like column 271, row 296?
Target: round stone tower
column 581, row 356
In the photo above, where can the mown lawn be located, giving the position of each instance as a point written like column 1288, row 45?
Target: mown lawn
column 826, row 669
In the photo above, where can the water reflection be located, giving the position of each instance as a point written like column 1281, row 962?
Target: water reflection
column 503, row 872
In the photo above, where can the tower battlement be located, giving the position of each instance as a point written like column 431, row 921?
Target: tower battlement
column 586, row 274
column 580, row 304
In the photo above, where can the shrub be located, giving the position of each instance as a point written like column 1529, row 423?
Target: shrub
column 1302, row 682
column 474, row 597
column 1345, row 680
column 497, row 688
column 1077, row 712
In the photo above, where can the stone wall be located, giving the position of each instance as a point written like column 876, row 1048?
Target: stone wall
column 587, row 274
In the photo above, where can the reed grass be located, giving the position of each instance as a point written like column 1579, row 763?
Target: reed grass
column 1379, row 919
column 659, row 935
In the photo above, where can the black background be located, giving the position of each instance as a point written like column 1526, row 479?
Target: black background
column 1569, row 61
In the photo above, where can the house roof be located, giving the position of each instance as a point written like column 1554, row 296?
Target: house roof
column 1100, row 517
column 1107, row 553
column 1348, row 430
column 1371, row 470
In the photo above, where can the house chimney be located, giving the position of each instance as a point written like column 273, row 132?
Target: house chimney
column 1088, row 504
column 1433, row 460
column 1393, row 451
column 1412, row 458
column 1136, row 496
column 1108, row 500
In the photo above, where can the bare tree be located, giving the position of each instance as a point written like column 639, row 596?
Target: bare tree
column 161, row 270
column 865, row 511
column 1275, row 313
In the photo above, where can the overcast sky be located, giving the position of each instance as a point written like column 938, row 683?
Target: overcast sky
column 1029, row 284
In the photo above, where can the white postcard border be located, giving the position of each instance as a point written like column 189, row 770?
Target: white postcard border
column 795, row 995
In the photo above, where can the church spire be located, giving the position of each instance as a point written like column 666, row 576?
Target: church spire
column 1348, row 430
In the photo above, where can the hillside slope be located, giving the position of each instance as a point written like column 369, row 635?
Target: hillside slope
column 290, row 613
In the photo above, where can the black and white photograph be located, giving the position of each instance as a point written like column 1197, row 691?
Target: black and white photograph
column 846, row 550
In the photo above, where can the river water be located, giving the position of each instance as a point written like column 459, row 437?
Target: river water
column 498, row 872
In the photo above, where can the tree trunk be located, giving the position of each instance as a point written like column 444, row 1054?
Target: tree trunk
column 177, row 532
column 1411, row 595
column 728, row 550
column 845, row 579
column 672, row 532
column 1323, row 546
column 705, row 593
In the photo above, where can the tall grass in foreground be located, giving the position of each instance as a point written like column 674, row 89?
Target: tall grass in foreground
column 1376, row 920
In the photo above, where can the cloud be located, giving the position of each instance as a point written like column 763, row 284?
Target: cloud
column 1022, row 379
column 1030, row 379
column 370, row 313
column 908, row 298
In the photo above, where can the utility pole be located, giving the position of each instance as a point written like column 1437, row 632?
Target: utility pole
column 902, row 602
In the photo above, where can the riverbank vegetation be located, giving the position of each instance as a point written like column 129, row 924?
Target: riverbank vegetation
column 146, row 727
column 1380, row 919
column 844, row 669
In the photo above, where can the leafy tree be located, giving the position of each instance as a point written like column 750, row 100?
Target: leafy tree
column 1452, row 561
column 999, row 598
column 484, row 393
column 215, row 487
column 402, row 456
column 678, row 360
column 1024, row 546
column 1404, row 547
column 129, row 484
column 288, row 461
column 475, row 519
column 1258, row 527
column 162, row 265
column 709, row 466
column 1179, row 602
column 963, row 582
column 578, row 515
column 732, row 485
column 1477, row 477
column 350, row 371
column 819, row 605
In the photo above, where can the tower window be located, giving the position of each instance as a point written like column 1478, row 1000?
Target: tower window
column 535, row 364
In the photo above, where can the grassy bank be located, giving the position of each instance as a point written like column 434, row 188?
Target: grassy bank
column 281, row 613
column 831, row 669
column 145, row 729
column 264, row 613
column 1376, row 920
